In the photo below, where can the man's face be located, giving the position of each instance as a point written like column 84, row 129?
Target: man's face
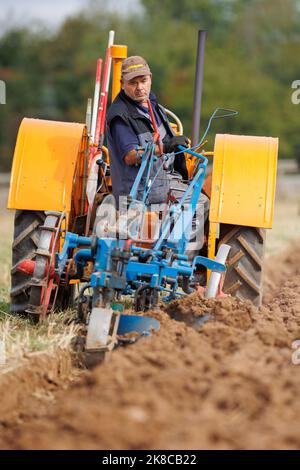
column 138, row 88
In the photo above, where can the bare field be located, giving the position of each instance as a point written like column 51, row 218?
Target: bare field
column 286, row 226
column 230, row 385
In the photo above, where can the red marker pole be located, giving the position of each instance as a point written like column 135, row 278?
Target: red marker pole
column 92, row 182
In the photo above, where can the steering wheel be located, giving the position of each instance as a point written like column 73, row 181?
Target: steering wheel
column 176, row 119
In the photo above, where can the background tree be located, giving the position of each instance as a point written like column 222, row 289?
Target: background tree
column 250, row 63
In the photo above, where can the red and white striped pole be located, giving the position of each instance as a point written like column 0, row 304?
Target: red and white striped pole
column 97, row 141
column 96, row 99
column 104, row 92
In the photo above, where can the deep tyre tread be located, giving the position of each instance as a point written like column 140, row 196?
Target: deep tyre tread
column 27, row 233
column 244, row 276
column 26, row 238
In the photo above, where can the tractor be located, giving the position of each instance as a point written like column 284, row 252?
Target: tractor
column 64, row 238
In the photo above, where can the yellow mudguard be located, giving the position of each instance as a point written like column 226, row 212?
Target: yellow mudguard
column 244, row 180
column 47, row 165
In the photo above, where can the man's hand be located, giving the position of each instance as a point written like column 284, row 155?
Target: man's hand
column 172, row 143
column 133, row 158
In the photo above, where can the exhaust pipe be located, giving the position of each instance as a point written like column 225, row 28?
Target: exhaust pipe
column 198, row 87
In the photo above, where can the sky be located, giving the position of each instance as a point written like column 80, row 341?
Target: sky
column 51, row 12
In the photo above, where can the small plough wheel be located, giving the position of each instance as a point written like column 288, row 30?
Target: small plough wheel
column 145, row 298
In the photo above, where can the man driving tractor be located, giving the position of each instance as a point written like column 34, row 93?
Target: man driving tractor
column 129, row 128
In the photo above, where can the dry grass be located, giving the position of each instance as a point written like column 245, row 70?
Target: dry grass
column 19, row 335
column 6, row 231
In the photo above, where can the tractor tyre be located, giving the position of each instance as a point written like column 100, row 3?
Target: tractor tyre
column 25, row 243
column 244, row 275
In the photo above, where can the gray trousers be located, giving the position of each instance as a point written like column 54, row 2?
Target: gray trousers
column 196, row 238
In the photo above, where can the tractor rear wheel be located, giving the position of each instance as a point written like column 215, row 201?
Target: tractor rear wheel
column 25, row 244
column 36, row 237
column 244, row 276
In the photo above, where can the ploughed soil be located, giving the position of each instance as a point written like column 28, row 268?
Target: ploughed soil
column 231, row 384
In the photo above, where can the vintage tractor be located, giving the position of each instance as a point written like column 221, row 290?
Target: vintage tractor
column 64, row 235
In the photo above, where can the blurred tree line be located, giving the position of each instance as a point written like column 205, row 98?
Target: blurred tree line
column 250, row 63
